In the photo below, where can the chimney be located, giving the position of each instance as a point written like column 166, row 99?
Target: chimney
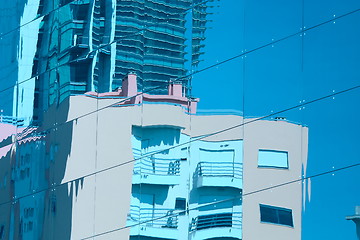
column 129, row 85
column 175, row 89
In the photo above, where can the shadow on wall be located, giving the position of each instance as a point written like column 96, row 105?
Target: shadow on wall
column 140, row 190
column 34, row 164
column 156, row 136
column 58, row 207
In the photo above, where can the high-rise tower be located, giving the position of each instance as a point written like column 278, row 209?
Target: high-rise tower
column 91, row 45
column 151, row 40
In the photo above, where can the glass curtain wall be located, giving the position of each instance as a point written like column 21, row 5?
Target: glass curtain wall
column 159, row 119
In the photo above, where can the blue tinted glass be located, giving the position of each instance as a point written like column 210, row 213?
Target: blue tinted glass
column 276, row 215
column 268, row 214
column 285, row 217
column 128, row 112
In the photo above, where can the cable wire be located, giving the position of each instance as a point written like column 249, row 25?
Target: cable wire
column 205, row 136
column 191, row 74
column 236, row 126
column 102, row 46
column 199, row 138
column 36, row 18
column 58, row 8
column 206, row 68
column 226, row 200
column 179, row 145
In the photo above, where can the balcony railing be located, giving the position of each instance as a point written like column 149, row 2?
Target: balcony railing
column 153, row 217
column 219, row 169
column 230, row 220
column 156, row 166
column 12, row 120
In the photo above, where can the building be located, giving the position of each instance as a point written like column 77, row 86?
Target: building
column 356, row 219
column 160, row 174
column 18, row 46
column 86, row 150
column 70, row 129
column 73, row 47
column 92, row 45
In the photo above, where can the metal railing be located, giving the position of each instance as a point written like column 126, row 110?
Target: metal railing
column 232, row 220
column 11, row 120
column 153, row 217
column 219, row 169
column 156, row 166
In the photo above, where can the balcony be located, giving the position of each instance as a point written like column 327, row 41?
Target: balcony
column 218, row 174
column 221, row 225
column 153, row 170
column 156, row 222
column 11, row 120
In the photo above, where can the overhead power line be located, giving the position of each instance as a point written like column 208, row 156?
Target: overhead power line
column 225, row 200
column 179, row 145
column 87, row 55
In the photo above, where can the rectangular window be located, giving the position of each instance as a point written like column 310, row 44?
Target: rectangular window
column 273, row 159
column 180, row 204
column 276, row 215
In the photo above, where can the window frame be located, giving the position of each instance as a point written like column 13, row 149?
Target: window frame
column 272, row 166
column 277, row 209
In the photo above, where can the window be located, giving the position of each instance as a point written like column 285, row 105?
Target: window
column 180, row 204
column 276, row 215
column 273, row 159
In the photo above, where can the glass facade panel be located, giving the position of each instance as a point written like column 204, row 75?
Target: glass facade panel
column 315, row 12
column 184, row 119
column 267, row 22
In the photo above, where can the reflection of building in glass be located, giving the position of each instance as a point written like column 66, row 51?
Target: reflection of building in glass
column 214, row 172
column 85, row 55
column 199, row 25
column 184, row 178
column 92, row 45
column 193, row 191
column 23, row 171
column 157, row 54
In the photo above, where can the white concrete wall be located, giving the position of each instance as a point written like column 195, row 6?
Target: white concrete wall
column 102, row 140
column 281, row 136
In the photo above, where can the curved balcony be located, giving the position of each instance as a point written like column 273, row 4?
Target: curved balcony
column 153, row 222
column 153, row 170
column 218, row 174
column 221, row 225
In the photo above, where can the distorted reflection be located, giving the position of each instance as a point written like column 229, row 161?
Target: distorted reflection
column 183, row 119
